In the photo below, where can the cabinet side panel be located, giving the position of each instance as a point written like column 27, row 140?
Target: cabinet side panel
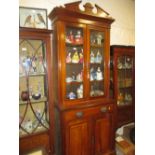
column 57, row 133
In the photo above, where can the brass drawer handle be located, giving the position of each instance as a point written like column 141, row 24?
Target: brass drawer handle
column 103, row 109
column 79, row 114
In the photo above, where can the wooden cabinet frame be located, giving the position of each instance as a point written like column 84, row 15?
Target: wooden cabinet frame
column 78, row 119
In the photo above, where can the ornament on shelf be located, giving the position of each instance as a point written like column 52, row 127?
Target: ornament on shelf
column 99, row 39
column 73, row 76
column 24, row 95
column 70, row 37
column 81, row 58
column 92, row 74
column 128, row 63
column 40, row 64
column 128, row 97
column 98, row 58
column 78, row 37
column 71, row 95
column 34, row 66
column 28, row 125
column 120, row 99
column 38, row 114
column 30, row 92
column 119, row 64
column 40, row 89
column 26, row 61
column 80, row 91
column 39, row 118
column 92, row 57
column 69, row 79
column 75, row 58
column 38, row 94
column 68, row 58
column 99, row 75
column 79, row 77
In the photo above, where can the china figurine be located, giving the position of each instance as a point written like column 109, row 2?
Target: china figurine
column 81, row 58
column 68, row 58
column 78, row 37
column 119, row 65
column 30, row 92
column 92, row 57
column 69, row 79
column 40, row 65
column 38, row 114
column 80, row 91
column 75, row 58
column 120, row 99
column 39, row 88
column 128, row 97
column 71, row 37
column 26, row 63
column 98, row 58
column 73, row 76
column 99, row 75
column 128, row 63
column 71, row 95
column 92, row 74
column 34, row 66
column 28, row 125
column 99, row 39
column 79, row 77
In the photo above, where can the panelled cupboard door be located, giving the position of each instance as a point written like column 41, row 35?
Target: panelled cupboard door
column 103, row 127
column 77, row 138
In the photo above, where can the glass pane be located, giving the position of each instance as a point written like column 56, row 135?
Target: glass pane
column 74, row 63
column 125, row 81
column 33, row 98
column 96, row 63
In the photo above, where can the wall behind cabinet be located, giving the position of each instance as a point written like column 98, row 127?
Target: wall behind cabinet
column 122, row 30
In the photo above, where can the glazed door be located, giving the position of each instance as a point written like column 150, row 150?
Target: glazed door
column 97, row 62
column 77, row 138
column 33, row 90
column 103, row 134
column 74, row 61
column 125, row 81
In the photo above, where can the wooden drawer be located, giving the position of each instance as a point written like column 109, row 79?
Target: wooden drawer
column 87, row 112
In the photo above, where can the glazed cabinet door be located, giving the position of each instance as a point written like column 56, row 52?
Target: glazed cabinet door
column 33, row 91
column 97, row 61
column 125, row 81
column 103, row 134
column 74, row 62
column 77, row 138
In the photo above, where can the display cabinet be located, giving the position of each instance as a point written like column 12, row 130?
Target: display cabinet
column 35, row 96
column 123, row 81
column 84, row 112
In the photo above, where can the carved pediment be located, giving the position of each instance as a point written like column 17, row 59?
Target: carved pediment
column 88, row 9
